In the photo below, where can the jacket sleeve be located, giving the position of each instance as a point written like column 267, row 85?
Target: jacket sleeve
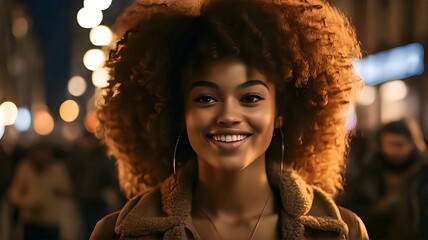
column 357, row 230
column 104, row 230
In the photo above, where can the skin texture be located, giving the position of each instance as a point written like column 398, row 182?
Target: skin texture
column 228, row 106
column 219, row 101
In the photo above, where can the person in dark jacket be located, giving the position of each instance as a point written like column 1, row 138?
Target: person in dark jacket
column 392, row 197
column 227, row 121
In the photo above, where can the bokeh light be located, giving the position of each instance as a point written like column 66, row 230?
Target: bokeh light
column 2, row 130
column 101, row 36
column 9, row 112
column 367, row 96
column 396, row 63
column 91, row 121
column 89, row 17
column 69, row 110
column 23, row 120
column 97, row 4
column 20, row 27
column 393, row 91
column 93, row 59
column 100, row 77
column 77, row 86
column 43, row 122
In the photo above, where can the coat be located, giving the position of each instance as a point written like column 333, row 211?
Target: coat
column 307, row 211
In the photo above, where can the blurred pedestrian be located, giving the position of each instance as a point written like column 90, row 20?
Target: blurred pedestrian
column 5, row 209
column 96, row 186
column 40, row 187
column 395, row 188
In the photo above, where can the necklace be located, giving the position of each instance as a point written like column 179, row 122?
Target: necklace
column 255, row 227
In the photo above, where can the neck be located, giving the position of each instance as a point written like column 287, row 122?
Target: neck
column 242, row 192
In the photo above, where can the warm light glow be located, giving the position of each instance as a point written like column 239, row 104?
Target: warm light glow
column 23, row 121
column 367, row 96
column 20, row 27
column 89, row 17
column 91, row 121
column 101, row 36
column 100, row 77
column 97, row 4
column 69, row 110
column 93, row 59
column 71, row 131
column 392, row 111
column 2, row 130
column 393, row 91
column 43, row 122
column 77, row 86
column 10, row 112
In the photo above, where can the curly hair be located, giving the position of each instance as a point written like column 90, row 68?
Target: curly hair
column 305, row 47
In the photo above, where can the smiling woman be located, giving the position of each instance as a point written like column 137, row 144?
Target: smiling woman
column 229, row 117
column 229, row 124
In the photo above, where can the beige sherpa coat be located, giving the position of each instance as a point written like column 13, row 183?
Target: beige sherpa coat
column 307, row 211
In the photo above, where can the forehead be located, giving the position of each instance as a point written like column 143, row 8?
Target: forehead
column 394, row 137
column 228, row 74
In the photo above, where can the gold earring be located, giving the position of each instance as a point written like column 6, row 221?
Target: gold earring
column 173, row 159
column 282, row 151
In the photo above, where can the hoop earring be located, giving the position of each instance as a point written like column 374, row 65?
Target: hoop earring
column 173, row 159
column 282, row 151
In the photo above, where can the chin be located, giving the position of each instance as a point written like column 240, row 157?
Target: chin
column 229, row 163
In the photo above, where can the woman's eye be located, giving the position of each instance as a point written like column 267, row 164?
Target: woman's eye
column 251, row 98
column 205, row 99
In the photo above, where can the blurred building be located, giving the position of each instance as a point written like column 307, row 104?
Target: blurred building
column 44, row 77
column 382, row 25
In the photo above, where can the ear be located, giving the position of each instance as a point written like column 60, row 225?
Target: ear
column 278, row 121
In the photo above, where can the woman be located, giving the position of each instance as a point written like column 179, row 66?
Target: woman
column 229, row 124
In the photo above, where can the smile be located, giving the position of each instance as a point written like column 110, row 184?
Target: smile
column 228, row 142
column 229, row 138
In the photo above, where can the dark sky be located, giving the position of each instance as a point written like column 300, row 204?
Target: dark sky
column 53, row 23
column 55, row 27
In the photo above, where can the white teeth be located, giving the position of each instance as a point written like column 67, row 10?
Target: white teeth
column 229, row 138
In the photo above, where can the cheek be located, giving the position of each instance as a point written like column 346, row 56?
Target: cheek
column 262, row 121
column 196, row 119
column 197, row 123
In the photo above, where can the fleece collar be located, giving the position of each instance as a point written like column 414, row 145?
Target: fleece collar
column 303, row 206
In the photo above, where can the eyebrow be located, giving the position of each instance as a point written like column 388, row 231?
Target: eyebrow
column 249, row 83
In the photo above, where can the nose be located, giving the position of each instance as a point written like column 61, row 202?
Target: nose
column 229, row 113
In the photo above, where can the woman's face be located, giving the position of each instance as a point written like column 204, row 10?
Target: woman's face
column 230, row 115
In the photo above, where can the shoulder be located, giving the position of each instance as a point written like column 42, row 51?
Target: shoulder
column 356, row 227
column 104, row 229
column 146, row 204
column 143, row 204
